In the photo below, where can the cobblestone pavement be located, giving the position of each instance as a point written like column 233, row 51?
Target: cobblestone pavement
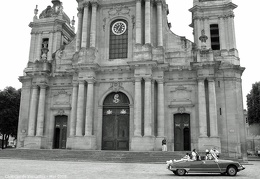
column 25, row 169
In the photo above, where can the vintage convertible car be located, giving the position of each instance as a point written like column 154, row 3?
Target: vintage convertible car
column 223, row 167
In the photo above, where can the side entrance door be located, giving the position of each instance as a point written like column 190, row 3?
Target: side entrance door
column 60, row 133
column 182, row 132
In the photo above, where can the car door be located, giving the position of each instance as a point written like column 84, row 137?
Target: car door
column 208, row 166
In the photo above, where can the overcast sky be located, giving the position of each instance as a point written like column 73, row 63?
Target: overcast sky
column 15, row 35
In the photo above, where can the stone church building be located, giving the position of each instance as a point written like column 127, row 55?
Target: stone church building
column 124, row 81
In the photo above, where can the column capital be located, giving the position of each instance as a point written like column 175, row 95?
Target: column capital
column 91, row 81
column 147, row 79
column 94, row 3
column 138, row 0
column 80, row 10
column 86, row 4
column 212, row 79
column 34, row 86
column 75, row 84
column 43, row 86
column 138, row 79
column 160, row 81
column 82, row 82
column 147, row 0
column 158, row 2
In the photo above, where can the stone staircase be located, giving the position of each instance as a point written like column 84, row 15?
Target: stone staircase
column 83, row 155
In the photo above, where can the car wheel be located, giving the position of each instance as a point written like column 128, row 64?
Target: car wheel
column 232, row 171
column 181, row 172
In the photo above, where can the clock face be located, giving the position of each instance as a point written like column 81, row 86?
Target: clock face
column 119, row 28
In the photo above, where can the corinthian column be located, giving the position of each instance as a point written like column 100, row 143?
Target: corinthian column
column 93, row 24
column 159, row 24
column 89, row 109
column 148, row 107
column 79, row 31
column 213, row 109
column 80, row 109
column 138, row 30
column 73, row 109
column 137, row 108
column 202, row 108
column 41, row 111
column 160, row 108
column 147, row 21
column 33, row 110
column 85, row 26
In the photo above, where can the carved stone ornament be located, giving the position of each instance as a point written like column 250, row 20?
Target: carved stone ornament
column 119, row 9
column 61, row 112
column 181, row 110
column 116, row 86
column 56, row 10
column 61, row 97
column 87, row 55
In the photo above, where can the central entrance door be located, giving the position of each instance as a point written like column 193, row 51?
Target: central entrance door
column 115, row 127
column 60, row 133
column 182, row 132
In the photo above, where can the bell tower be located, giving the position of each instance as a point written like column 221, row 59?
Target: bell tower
column 50, row 31
column 216, row 18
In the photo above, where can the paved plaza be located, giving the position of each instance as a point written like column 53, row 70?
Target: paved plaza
column 25, row 169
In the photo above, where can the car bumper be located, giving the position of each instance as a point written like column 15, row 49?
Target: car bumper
column 241, row 168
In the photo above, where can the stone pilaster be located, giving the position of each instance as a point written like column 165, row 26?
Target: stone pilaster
column 160, row 116
column 231, row 32
column 73, row 114
column 222, row 34
column 202, row 109
column 197, row 31
column 39, row 47
column 207, row 31
column 32, row 47
column 79, row 31
column 89, row 108
column 148, row 107
column 41, row 111
column 80, row 109
column 50, row 46
column 138, row 30
column 213, row 109
column 33, row 110
column 159, row 24
column 93, row 24
column 137, row 107
column 85, row 26
column 147, row 21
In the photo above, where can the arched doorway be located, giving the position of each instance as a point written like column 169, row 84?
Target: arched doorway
column 182, row 132
column 115, row 125
column 60, row 132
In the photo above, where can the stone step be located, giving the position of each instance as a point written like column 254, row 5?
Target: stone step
column 83, row 155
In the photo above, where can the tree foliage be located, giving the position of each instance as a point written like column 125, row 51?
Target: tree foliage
column 9, row 112
column 253, row 104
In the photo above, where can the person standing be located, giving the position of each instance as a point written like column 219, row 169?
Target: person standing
column 164, row 145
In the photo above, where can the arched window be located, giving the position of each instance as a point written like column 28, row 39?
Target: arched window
column 118, row 42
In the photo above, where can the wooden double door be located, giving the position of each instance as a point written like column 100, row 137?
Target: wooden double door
column 60, row 132
column 182, row 132
column 115, row 131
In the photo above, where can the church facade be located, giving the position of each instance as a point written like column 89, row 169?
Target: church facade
column 125, row 81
